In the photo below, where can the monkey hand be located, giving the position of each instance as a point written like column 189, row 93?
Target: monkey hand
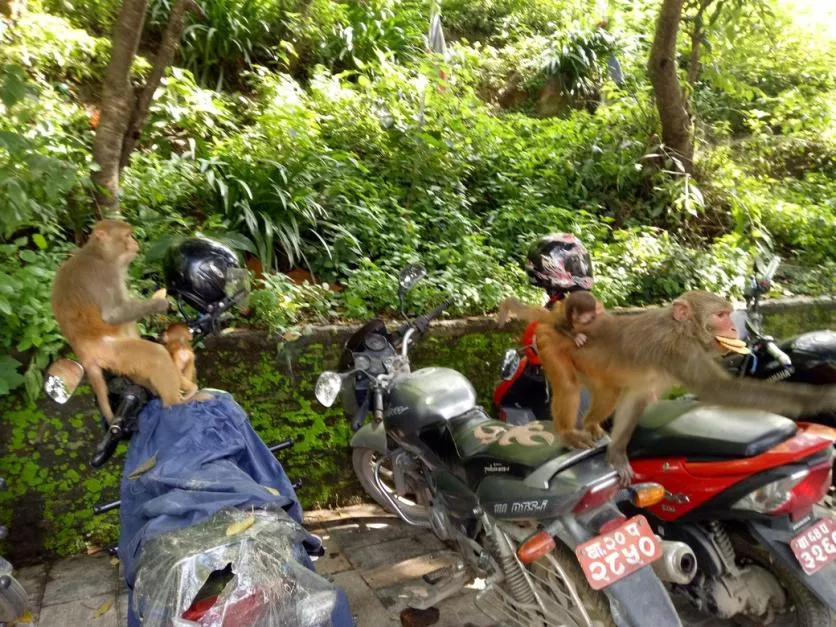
column 162, row 297
column 160, row 294
column 502, row 314
column 580, row 339
column 622, row 466
column 577, row 439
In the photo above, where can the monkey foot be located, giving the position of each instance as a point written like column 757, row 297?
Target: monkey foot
column 595, row 432
column 622, row 467
column 577, row 439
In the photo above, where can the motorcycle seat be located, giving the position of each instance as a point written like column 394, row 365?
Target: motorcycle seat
column 699, row 431
column 475, row 435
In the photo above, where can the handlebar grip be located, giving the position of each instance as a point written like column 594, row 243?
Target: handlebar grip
column 778, row 354
column 423, row 323
column 107, row 445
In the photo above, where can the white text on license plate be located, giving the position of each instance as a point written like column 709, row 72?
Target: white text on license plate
column 815, row 547
column 613, row 555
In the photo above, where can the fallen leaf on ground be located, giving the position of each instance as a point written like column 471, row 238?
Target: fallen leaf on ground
column 103, row 609
column 240, row 525
column 144, row 467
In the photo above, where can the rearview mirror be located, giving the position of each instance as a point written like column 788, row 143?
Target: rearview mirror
column 328, row 387
column 510, row 363
column 62, row 379
column 410, row 275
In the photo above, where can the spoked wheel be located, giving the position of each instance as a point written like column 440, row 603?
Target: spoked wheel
column 802, row 607
column 564, row 590
column 413, row 502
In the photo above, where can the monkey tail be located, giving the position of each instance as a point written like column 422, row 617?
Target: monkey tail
column 789, row 399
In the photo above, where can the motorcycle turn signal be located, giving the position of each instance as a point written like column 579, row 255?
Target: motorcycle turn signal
column 535, row 547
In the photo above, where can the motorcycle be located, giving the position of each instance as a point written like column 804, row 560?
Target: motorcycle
column 210, row 526
column 13, row 598
column 535, row 520
column 806, row 358
column 742, row 489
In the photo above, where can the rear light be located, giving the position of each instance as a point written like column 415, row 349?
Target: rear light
column 795, row 494
column 538, row 545
column 596, row 495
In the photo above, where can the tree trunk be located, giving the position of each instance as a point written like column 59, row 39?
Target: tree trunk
column 670, row 100
column 165, row 55
column 117, row 105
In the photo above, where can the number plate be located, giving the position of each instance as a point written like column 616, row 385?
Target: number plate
column 612, row 556
column 815, row 547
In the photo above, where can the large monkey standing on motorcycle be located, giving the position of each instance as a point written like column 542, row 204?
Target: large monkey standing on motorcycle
column 97, row 316
column 629, row 359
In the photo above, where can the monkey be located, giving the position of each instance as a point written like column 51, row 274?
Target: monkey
column 94, row 311
column 628, row 360
column 579, row 310
column 177, row 340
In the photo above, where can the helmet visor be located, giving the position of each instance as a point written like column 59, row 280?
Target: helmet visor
column 237, row 285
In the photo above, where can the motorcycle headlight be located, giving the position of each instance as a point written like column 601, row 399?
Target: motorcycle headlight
column 328, row 387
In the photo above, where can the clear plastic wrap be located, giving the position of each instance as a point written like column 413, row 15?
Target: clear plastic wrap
column 269, row 583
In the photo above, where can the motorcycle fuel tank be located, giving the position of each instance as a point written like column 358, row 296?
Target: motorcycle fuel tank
column 425, row 397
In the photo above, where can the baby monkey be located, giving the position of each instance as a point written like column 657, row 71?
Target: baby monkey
column 177, row 339
column 579, row 310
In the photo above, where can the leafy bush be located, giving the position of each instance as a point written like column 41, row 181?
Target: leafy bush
column 279, row 304
column 43, row 156
column 29, row 335
column 50, row 48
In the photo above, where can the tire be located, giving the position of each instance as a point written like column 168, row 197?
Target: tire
column 363, row 461
column 595, row 602
column 13, row 599
column 807, row 609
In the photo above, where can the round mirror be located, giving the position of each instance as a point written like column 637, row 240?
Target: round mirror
column 411, row 274
column 510, row 363
column 328, row 387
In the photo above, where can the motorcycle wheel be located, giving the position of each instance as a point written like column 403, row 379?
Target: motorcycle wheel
column 552, row 586
column 13, row 599
column 364, row 460
column 807, row 610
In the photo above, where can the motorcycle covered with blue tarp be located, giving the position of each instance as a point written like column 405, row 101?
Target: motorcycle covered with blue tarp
column 210, row 525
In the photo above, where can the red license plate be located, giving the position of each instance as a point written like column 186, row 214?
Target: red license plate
column 815, row 547
column 612, row 556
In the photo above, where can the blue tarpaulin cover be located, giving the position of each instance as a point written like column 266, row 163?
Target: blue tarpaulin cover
column 189, row 462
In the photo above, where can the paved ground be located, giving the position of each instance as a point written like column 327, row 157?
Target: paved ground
column 372, row 555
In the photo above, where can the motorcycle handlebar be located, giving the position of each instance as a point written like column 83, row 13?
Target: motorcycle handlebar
column 778, row 354
column 423, row 323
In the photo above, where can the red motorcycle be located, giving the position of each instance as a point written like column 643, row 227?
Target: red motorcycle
column 742, row 488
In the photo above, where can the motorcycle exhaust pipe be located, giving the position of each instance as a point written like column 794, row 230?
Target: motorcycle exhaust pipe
column 678, row 563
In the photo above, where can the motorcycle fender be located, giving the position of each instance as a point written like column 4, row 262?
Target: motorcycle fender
column 637, row 600
column 371, row 436
column 822, row 583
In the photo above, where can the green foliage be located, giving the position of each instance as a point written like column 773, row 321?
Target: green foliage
column 280, row 304
column 27, row 329
column 51, row 49
column 43, row 154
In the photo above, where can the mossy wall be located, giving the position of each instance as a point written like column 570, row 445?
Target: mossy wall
column 44, row 449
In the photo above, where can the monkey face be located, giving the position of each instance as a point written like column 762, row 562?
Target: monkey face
column 721, row 323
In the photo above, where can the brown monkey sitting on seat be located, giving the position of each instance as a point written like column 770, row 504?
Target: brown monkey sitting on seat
column 97, row 316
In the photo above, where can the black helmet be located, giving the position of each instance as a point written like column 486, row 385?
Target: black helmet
column 203, row 273
column 559, row 263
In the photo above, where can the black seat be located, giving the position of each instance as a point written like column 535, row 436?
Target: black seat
column 477, row 436
column 695, row 430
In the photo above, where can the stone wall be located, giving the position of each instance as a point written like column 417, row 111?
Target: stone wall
column 44, row 450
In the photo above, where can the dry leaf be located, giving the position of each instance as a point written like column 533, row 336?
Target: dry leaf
column 103, row 609
column 144, row 467
column 92, row 549
column 26, row 617
column 272, row 491
column 241, row 525
column 114, row 561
